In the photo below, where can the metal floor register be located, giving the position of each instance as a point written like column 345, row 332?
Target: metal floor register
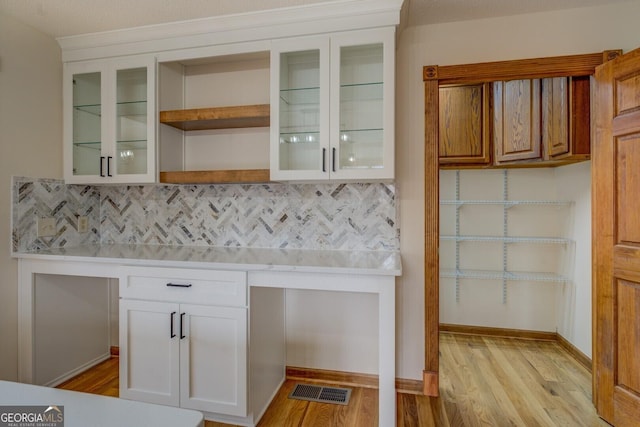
column 314, row 393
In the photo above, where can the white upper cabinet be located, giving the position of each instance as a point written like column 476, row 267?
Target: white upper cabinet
column 332, row 106
column 330, row 73
column 109, row 121
column 300, row 109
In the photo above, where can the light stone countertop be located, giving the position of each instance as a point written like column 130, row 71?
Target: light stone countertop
column 386, row 263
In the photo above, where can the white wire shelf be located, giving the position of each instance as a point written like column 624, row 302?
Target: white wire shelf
column 507, row 239
column 507, row 203
column 504, row 275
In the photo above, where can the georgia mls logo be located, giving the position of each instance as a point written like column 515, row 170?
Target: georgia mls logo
column 32, row 416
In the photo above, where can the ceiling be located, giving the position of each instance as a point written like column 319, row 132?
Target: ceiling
column 59, row 18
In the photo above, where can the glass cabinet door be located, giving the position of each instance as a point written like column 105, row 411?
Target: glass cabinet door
column 131, row 121
column 332, row 106
column 299, row 100
column 362, row 112
column 86, row 123
column 361, row 107
column 109, row 129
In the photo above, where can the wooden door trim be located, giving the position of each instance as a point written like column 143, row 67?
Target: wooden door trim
column 535, row 68
column 432, row 240
column 434, row 76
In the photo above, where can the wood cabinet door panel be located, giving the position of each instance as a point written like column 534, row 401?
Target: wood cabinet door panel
column 555, row 115
column 463, row 126
column 516, row 112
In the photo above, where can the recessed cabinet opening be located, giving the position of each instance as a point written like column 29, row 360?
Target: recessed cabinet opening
column 214, row 118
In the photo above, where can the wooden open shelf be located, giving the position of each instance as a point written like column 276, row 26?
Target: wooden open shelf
column 242, row 116
column 215, row 176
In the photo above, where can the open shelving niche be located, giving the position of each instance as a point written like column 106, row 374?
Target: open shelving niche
column 238, row 82
column 244, row 116
column 505, row 274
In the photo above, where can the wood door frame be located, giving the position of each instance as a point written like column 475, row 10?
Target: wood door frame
column 433, row 76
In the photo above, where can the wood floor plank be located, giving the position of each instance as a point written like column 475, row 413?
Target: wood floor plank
column 484, row 381
column 101, row 379
column 458, row 402
column 368, row 410
column 494, row 380
column 532, row 410
column 287, row 412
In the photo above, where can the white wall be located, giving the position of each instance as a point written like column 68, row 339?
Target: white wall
column 30, row 145
column 566, row 32
column 574, row 319
column 527, row 304
column 71, row 326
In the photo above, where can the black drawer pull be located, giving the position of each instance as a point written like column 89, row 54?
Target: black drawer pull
column 179, row 285
column 173, row 315
column 102, row 166
column 182, row 336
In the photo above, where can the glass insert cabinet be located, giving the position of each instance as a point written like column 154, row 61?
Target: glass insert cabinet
column 332, row 106
column 109, row 124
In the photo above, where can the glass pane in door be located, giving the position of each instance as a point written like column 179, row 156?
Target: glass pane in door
column 361, row 106
column 300, row 110
column 131, row 121
column 87, row 118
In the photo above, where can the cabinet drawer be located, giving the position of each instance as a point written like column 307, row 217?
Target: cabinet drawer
column 204, row 287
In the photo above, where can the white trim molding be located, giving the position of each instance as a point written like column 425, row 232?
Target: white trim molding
column 333, row 16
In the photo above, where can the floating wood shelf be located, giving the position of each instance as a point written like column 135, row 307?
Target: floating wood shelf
column 215, row 176
column 243, row 116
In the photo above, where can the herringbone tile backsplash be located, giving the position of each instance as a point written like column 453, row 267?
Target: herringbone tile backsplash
column 298, row 216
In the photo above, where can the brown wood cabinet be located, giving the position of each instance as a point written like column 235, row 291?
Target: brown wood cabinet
column 508, row 114
column 463, row 124
column 566, row 120
column 516, row 120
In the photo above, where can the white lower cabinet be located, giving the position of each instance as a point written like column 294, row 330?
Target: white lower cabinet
column 177, row 352
column 186, row 355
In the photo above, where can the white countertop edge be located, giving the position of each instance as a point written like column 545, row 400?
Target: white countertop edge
column 82, row 409
column 395, row 270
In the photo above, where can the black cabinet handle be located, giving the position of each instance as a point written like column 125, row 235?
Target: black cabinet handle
column 173, row 315
column 324, row 160
column 182, row 336
column 333, row 159
column 109, row 165
column 102, row 166
column 179, row 285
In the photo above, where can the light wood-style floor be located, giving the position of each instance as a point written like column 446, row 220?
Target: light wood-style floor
column 485, row 381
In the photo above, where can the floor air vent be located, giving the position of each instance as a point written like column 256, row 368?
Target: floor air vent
column 314, row 393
